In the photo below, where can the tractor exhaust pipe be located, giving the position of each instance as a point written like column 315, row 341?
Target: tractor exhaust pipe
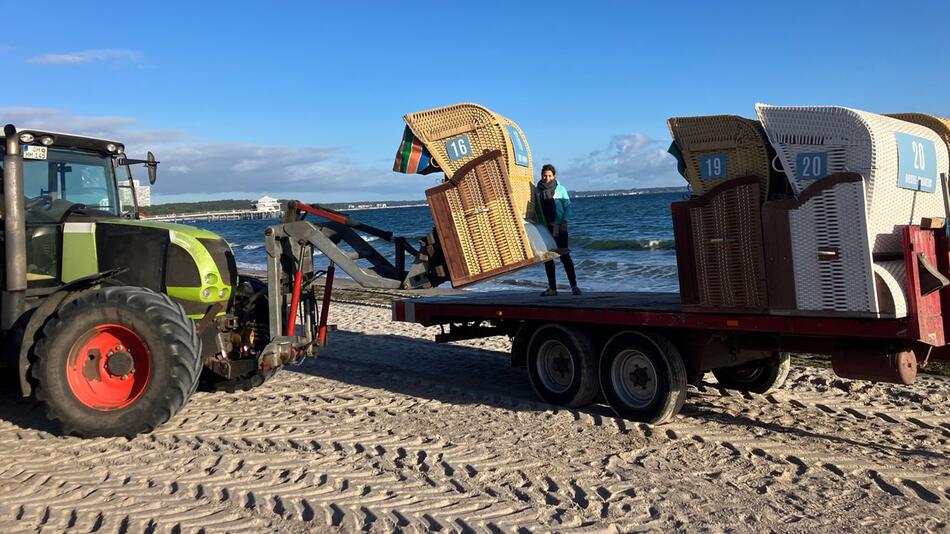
column 14, row 228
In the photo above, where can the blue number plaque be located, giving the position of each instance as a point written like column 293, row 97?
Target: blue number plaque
column 458, row 147
column 917, row 163
column 712, row 167
column 811, row 165
column 519, row 145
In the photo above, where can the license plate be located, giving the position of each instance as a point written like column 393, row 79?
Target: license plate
column 34, row 152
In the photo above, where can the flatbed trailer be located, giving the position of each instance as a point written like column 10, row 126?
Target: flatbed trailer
column 641, row 349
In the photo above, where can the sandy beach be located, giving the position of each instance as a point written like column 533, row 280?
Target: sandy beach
column 389, row 431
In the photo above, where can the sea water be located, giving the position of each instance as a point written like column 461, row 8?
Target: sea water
column 617, row 242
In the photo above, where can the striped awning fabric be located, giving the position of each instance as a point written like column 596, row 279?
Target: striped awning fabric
column 413, row 157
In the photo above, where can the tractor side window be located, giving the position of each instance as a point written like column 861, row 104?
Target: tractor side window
column 123, row 179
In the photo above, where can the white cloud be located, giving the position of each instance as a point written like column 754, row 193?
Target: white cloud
column 199, row 168
column 628, row 161
column 98, row 55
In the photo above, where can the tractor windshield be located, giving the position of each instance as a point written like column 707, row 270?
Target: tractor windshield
column 65, row 178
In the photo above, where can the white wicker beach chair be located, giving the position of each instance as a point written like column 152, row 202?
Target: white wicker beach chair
column 846, row 239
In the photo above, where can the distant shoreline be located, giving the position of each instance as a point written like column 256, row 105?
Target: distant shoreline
column 185, row 208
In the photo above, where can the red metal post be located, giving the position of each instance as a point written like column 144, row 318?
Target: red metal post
column 294, row 304
column 925, row 311
column 325, row 309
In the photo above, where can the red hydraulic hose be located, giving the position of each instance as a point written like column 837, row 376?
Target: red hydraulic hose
column 294, row 304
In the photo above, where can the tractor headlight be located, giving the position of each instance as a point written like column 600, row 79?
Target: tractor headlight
column 110, row 147
column 206, row 294
column 46, row 140
column 26, row 138
column 120, row 149
column 211, row 279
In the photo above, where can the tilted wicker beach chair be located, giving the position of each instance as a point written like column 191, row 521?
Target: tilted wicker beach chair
column 718, row 148
column 457, row 134
column 845, row 234
column 480, row 232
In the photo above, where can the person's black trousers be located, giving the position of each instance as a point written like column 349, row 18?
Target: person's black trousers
column 561, row 240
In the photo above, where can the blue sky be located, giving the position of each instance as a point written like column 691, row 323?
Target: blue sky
column 306, row 99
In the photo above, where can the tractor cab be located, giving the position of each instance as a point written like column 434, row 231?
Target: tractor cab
column 68, row 180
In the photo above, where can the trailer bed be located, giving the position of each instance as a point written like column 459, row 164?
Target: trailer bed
column 634, row 309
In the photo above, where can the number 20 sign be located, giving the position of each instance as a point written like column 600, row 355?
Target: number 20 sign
column 811, row 165
column 917, row 163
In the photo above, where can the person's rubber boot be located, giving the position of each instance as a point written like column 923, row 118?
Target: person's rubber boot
column 551, row 292
column 575, row 290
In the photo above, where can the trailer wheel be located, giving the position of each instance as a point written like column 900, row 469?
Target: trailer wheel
column 562, row 366
column 117, row 361
column 757, row 377
column 643, row 377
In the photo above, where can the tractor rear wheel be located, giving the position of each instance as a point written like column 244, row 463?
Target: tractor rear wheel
column 117, row 361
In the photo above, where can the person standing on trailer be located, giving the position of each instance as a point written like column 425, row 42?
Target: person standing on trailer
column 555, row 211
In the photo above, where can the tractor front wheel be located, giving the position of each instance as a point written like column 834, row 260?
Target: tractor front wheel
column 117, row 361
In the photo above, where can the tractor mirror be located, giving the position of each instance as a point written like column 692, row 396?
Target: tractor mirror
column 152, row 166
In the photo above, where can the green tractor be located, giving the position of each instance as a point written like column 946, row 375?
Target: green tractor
column 111, row 321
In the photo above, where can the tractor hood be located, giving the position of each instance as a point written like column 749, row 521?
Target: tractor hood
column 193, row 266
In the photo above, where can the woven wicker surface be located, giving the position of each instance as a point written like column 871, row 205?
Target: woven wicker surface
column 491, row 236
column 486, row 131
column 861, row 142
column 833, row 222
column 726, row 240
column 741, row 141
column 940, row 125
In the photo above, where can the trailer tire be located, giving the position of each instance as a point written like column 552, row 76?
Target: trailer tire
column 144, row 358
column 562, row 366
column 756, row 377
column 643, row 377
column 519, row 345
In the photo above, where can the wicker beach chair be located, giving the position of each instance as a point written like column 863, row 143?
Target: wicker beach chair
column 457, row 134
column 718, row 148
column 482, row 234
column 844, row 234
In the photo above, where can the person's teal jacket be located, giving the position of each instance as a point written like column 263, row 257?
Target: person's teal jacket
column 562, row 206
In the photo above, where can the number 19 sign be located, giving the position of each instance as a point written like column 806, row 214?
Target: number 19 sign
column 712, row 167
column 917, row 163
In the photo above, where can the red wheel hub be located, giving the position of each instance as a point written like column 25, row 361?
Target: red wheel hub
column 108, row 367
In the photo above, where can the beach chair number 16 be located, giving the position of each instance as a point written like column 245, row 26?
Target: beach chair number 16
column 458, row 147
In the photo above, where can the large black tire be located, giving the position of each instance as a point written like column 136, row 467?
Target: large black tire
column 562, row 365
column 159, row 354
column 643, row 377
column 757, row 377
column 251, row 309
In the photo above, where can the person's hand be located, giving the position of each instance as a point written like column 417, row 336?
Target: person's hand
column 563, row 227
column 556, row 230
